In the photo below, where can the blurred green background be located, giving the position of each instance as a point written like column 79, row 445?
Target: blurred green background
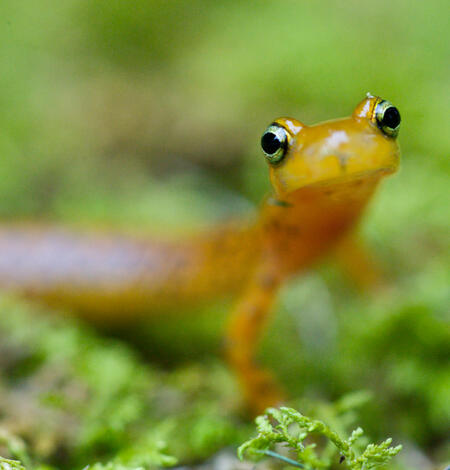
column 146, row 116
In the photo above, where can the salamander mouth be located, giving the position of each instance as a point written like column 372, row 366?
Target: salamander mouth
column 362, row 175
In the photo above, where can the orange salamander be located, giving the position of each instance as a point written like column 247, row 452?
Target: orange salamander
column 322, row 177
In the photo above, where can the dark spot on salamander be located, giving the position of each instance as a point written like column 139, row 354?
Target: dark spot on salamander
column 267, row 280
column 278, row 202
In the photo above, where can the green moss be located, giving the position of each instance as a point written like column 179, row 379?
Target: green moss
column 99, row 401
column 290, row 428
column 7, row 464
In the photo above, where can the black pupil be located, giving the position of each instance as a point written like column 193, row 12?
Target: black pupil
column 391, row 117
column 270, row 143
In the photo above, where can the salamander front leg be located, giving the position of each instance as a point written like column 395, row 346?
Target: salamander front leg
column 358, row 264
column 244, row 330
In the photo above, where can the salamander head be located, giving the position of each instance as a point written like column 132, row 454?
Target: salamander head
column 333, row 151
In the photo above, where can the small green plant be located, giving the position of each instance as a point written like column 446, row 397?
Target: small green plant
column 6, row 464
column 142, row 456
column 301, row 434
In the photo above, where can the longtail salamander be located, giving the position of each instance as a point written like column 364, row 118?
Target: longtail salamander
column 322, row 177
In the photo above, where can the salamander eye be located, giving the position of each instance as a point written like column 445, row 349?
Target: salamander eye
column 274, row 143
column 388, row 118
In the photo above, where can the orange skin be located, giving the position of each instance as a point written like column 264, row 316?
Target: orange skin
column 321, row 188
